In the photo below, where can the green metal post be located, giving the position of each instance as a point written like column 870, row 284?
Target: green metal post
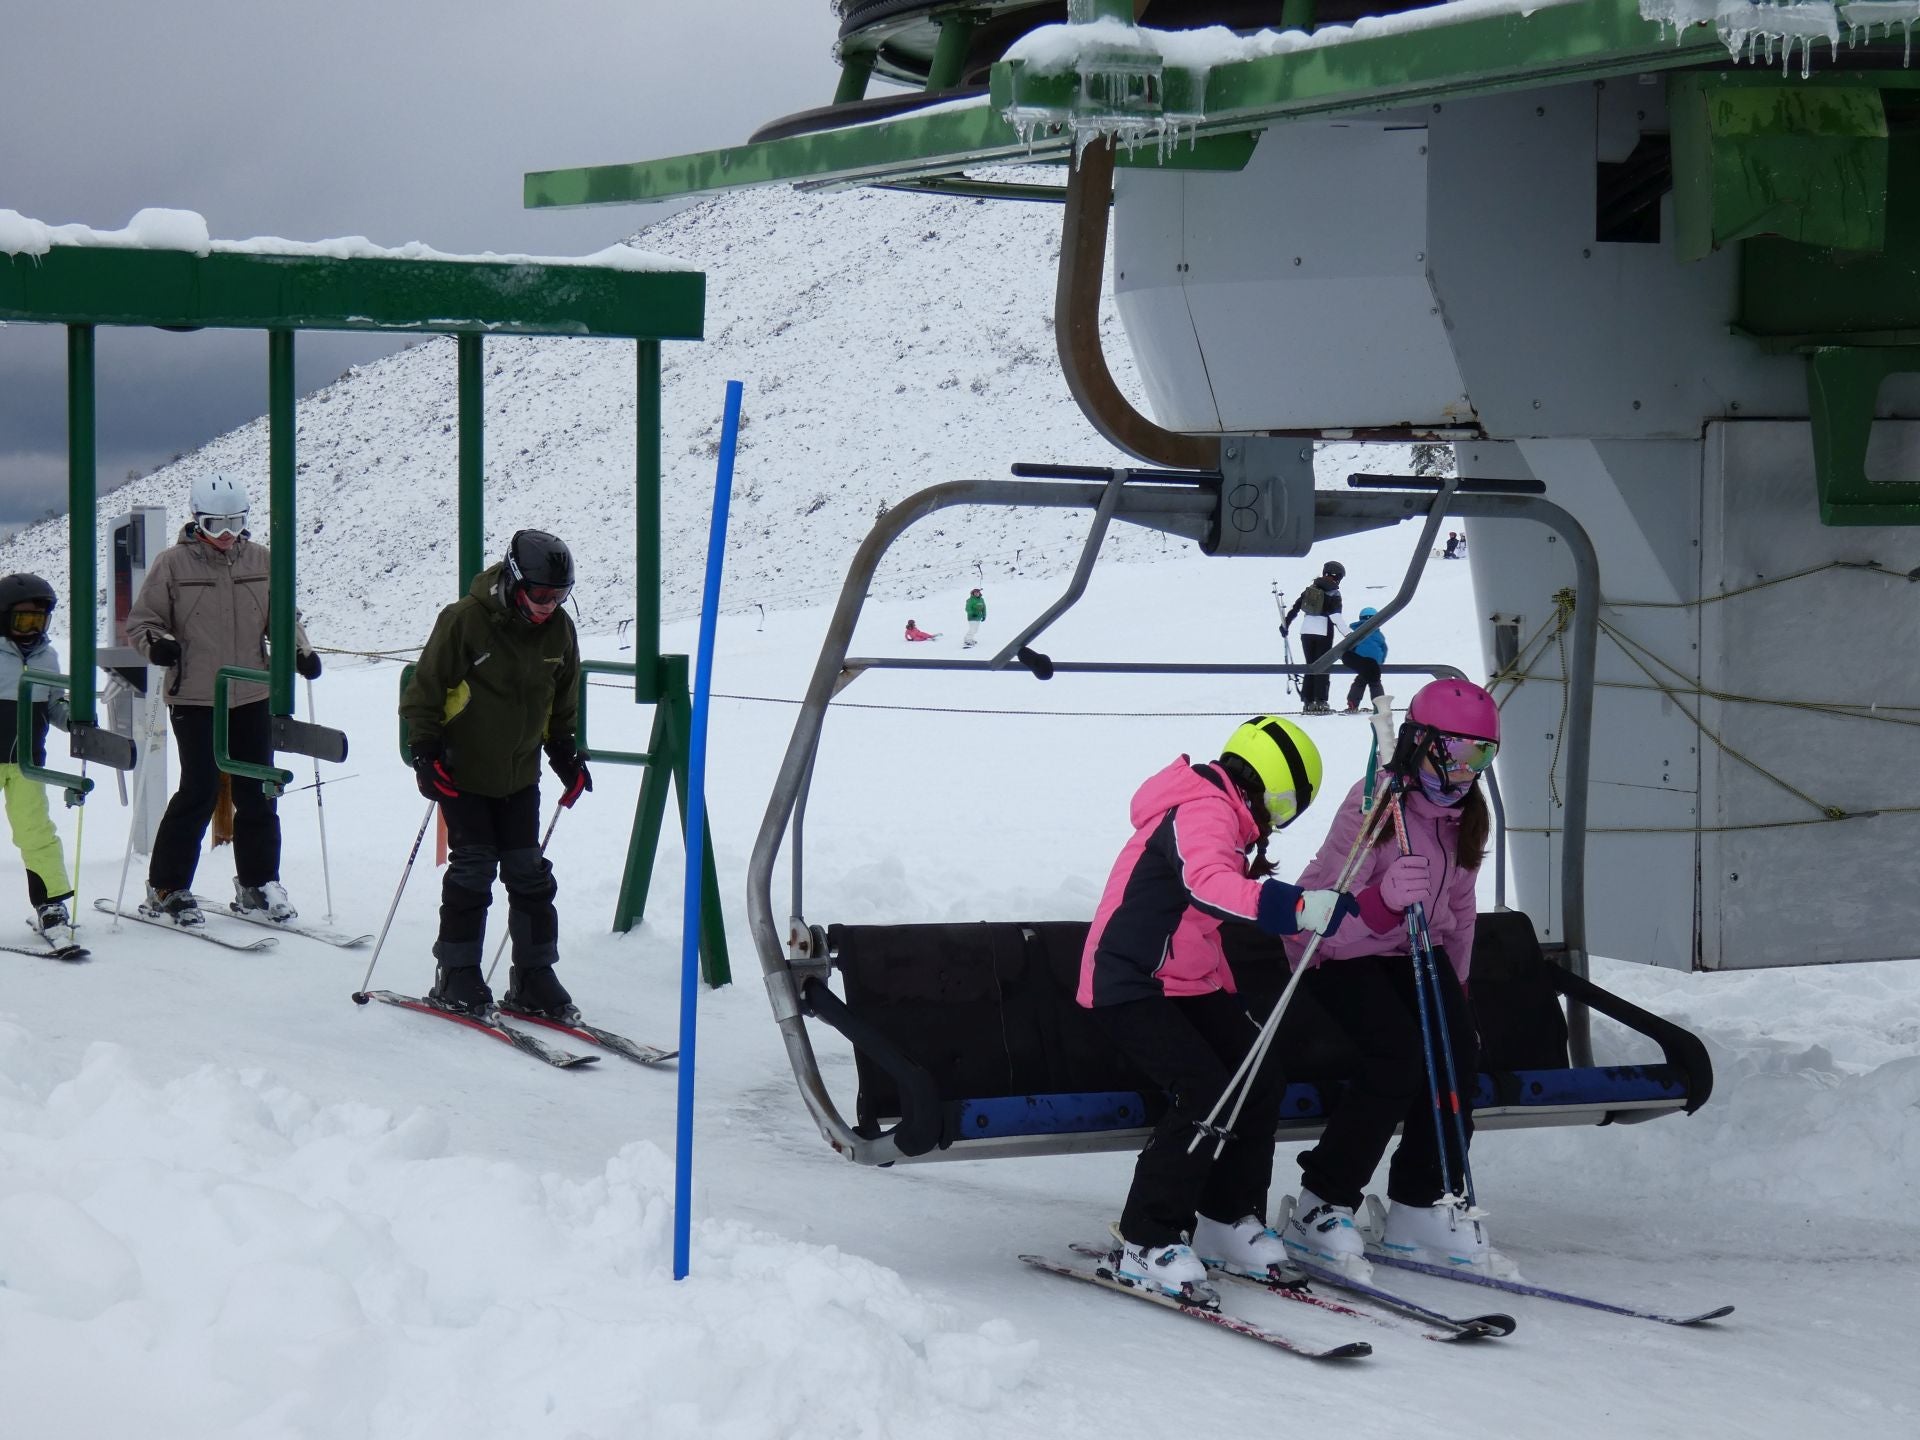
column 81, row 520
column 647, row 680
column 284, row 532
column 1296, row 15
column 473, row 431
column 668, row 746
column 856, row 68
column 648, row 816
column 950, row 53
column 274, row 779
column 32, row 680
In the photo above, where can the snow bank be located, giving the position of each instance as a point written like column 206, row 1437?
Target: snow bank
column 242, row 1261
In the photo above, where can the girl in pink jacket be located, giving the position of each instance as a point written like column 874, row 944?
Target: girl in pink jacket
column 1364, row 979
column 1155, row 976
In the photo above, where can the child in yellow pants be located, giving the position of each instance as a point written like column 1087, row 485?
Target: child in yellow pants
column 26, row 607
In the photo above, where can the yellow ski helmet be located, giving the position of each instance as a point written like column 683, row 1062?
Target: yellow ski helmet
column 1285, row 760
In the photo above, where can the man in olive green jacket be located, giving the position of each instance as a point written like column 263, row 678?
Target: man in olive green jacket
column 498, row 682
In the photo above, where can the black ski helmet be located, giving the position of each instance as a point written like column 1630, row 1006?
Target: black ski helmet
column 1335, row 569
column 536, row 559
column 25, row 591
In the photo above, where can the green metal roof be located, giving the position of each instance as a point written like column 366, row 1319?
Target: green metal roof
column 101, row 285
column 1426, row 58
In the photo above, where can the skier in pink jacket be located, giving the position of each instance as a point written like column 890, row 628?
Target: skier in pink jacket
column 1364, row 979
column 1155, row 976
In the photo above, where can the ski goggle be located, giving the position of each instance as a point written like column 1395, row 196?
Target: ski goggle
column 28, row 621
column 221, row 524
column 1463, row 753
column 545, row 594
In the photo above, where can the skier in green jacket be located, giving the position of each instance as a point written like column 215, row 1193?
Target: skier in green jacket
column 976, row 612
column 498, row 682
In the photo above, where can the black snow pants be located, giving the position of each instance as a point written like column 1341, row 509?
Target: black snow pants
column 1314, row 688
column 1190, row 1046
column 256, row 818
column 485, row 836
column 1366, row 678
column 1371, row 998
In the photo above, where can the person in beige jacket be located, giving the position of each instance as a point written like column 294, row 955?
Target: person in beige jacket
column 204, row 605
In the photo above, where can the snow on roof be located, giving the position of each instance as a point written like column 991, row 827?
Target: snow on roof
column 160, row 229
column 1749, row 28
column 1055, row 48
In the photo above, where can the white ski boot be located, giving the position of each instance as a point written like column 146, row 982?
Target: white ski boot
column 266, row 902
column 1449, row 1235
column 1171, row 1269
column 1245, row 1247
column 179, row 906
column 55, row 925
column 1323, row 1234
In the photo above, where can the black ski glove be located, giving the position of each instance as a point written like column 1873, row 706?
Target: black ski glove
column 307, row 662
column 430, row 770
column 164, row 650
column 570, row 766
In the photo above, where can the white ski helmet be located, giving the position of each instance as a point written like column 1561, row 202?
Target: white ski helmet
column 220, row 497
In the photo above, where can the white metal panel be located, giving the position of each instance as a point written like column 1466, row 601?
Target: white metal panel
column 1304, row 285
column 1838, row 646
column 1556, row 333
column 1639, row 504
column 1148, row 253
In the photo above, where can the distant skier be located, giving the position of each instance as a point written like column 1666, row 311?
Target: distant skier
column 204, row 606
column 1155, row 976
column 1364, row 980
column 1452, row 552
column 1317, row 606
column 914, row 632
column 497, row 682
column 26, row 609
column 976, row 615
column 1365, row 659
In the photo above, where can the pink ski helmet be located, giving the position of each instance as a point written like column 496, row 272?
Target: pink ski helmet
column 1456, row 707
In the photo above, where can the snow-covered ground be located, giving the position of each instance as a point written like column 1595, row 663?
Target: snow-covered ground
column 234, row 1204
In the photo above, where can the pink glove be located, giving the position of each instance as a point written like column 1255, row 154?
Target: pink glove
column 1407, row 880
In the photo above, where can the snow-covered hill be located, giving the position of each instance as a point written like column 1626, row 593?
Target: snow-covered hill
column 887, row 341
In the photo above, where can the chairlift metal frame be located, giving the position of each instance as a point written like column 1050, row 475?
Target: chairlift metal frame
column 796, row 962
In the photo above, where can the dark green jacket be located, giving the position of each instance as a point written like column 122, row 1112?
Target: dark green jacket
column 493, row 688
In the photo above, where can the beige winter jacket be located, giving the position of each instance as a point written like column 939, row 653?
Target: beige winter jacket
column 215, row 605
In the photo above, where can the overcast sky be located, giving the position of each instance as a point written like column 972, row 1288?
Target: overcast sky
column 395, row 119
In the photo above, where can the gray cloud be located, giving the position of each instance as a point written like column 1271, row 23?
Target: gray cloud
column 397, row 121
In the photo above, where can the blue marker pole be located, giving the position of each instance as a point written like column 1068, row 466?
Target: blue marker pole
column 697, row 835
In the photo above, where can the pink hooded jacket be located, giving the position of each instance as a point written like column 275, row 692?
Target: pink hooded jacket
column 1157, row 928
column 1432, row 830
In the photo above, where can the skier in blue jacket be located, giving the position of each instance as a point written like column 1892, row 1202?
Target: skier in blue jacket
column 1365, row 659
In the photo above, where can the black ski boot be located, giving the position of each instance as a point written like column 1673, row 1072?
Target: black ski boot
column 536, row 990
column 461, row 989
column 179, row 906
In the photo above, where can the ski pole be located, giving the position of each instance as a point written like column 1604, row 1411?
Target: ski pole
column 1452, row 1074
column 501, row 947
column 1432, row 1016
column 1286, row 644
column 360, row 995
column 320, row 809
column 1240, row 1085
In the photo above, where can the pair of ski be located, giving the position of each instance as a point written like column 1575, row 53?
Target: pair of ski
column 47, row 950
column 1366, row 1297
column 505, row 1026
column 336, row 938
column 1360, row 1302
